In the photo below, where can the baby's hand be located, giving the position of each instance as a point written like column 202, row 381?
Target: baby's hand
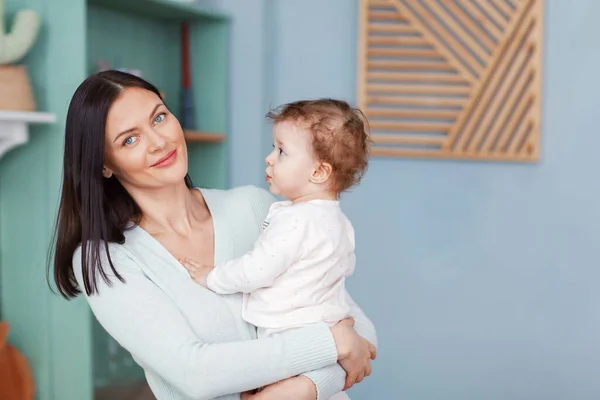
column 197, row 271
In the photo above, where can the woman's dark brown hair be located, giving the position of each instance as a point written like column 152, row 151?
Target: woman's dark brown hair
column 93, row 210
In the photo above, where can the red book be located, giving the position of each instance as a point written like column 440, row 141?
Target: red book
column 185, row 56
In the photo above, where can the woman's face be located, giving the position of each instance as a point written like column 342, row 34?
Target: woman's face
column 144, row 142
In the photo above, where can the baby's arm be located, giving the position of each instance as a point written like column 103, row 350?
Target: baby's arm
column 273, row 253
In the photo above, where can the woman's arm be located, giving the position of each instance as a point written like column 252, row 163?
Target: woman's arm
column 322, row 383
column 362, row 324
column 332, row 379
column 145, row 321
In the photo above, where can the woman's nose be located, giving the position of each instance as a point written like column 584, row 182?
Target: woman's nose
column 157, row 141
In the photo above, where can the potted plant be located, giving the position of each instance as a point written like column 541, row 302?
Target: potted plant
column 16, row 93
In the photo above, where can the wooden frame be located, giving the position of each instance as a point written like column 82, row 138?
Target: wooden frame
column 453, row 79
column 199, row 136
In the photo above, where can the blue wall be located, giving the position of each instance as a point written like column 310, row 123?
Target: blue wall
column 482, row 278
column 250, row 70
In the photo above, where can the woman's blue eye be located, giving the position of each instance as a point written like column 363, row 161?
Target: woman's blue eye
column 159, row 118
column 130, row 140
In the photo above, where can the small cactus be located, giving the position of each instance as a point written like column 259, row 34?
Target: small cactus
column 14, row 45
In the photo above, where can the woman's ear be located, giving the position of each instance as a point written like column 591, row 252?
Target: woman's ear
column 321, row 173
column 106, row 172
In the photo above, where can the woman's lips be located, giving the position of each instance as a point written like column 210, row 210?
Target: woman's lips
column 166, row 160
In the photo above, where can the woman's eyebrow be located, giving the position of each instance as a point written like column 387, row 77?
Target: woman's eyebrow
column 133, row 129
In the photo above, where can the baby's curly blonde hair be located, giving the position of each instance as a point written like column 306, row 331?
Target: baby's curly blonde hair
column 339, row 136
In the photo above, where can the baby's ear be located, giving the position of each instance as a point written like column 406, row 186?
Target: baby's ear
column 321, row 173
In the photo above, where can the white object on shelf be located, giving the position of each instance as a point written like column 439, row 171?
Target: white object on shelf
column 14, row 127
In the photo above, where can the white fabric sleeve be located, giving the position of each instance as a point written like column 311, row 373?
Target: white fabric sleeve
column 274, row 252
column 330, row 380
column 146, row 322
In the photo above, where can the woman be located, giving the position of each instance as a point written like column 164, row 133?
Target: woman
column 129, row 211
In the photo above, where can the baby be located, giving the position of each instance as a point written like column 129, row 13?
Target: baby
column 295, row 273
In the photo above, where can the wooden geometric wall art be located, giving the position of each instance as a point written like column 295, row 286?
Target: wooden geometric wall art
column 454, row 79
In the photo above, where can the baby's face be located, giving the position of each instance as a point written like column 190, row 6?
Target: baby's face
column 291, row 163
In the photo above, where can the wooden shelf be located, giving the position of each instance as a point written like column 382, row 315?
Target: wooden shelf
column 14, row 127
column 162, row 9
column 198, row 136
column 31, row 117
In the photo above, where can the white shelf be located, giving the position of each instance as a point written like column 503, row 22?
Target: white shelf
column 14, row 127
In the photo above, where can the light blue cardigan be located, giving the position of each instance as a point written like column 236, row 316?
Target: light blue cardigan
column 193, row 343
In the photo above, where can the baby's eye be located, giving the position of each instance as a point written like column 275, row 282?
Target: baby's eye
column 279, row 149
column 159, row 118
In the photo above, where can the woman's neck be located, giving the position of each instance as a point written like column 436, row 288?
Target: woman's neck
column 171, row 210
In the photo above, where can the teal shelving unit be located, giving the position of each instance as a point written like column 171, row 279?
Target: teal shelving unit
column 69, row 352
column 145, row 35
column 163, row 9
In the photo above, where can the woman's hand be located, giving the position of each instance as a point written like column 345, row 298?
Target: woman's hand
column 197, row 271
column 354, row 352
column 296, row 388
